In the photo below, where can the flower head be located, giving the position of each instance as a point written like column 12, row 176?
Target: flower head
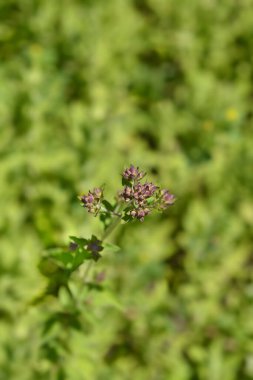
column 137, row 196
column 136, row 200
column 126, row 194
column 97, row 193
column 139, row 192
column 149, row 189
column 167, row 199
column 133, row 173
column 92, row 201
column 139, row 213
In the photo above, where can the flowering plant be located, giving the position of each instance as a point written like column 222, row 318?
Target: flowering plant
column 68, row 268
column 134, row 201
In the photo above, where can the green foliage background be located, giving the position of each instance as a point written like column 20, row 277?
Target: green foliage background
column 86, row 88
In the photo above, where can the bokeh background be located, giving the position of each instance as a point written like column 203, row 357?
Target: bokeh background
column 88, row 87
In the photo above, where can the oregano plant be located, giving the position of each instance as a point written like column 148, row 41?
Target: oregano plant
column 68, row 268
column 136, row 199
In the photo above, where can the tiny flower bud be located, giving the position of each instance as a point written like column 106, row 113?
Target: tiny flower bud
column 167, row 199
column 92, row 200
column 100, row 277
column 73, row 246
column 140, row 213
column 126, row 194
column 97, row 193
column 133, row 173
column 150, row 189
column 94, row 247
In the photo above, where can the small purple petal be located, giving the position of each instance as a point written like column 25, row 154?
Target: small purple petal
column 73, row 246
column 132, row 173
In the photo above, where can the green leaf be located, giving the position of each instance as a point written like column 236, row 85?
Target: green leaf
column 112, row 247
column 80, row 256
column 48, row 267
column 127, row 218
column 69, row 260
column 126, row 182
column 79, row 241
column 108, row 299
column 64, row 296
column 65, row 258
column 150, row 200
column 108, row 205
column 94, row 286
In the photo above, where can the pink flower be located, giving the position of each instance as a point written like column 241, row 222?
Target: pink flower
column 133, row 173
column 167, row 199
column 92, row 201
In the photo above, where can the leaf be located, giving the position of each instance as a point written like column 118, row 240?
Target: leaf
column 107, row 298
column 64, row 296
column 95, row 286
column 126, row 182
column 112, row 247
column 108, row 205
column 150, row 200
column 48, row 267
column 5, row 315
column 79, row 241
column 66, row 259
column 127, row 218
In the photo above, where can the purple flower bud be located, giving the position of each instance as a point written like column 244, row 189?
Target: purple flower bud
column 95, row 255
column 132, row 173
column 94, row 247
column 97, row 192
column 140, row 213
column 127, row 194
column 150, row 189
column 73, row 246
column 142, row 192
column 100, row 277
column 133, row 213
column 87, row 199
column 138, row 192
column 167, row 199
column 92, row 200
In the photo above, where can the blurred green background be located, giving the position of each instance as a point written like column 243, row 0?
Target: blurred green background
column 88, row 87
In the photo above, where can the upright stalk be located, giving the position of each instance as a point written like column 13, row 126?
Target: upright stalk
column 114, row 223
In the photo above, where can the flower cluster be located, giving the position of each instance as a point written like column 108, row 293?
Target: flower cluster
column 142, row 198
column 138, row 193
column 136, row 200
column 92, row 201
column 133, row 173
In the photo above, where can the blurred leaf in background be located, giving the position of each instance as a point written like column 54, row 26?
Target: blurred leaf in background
column 86, row 88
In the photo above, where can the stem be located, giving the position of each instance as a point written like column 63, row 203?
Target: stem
column 87, row 270
column 111, row 227
column 106, row 233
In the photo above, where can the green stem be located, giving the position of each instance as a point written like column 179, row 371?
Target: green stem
column 111, row 227
column 106, row 233
column 87, row 270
